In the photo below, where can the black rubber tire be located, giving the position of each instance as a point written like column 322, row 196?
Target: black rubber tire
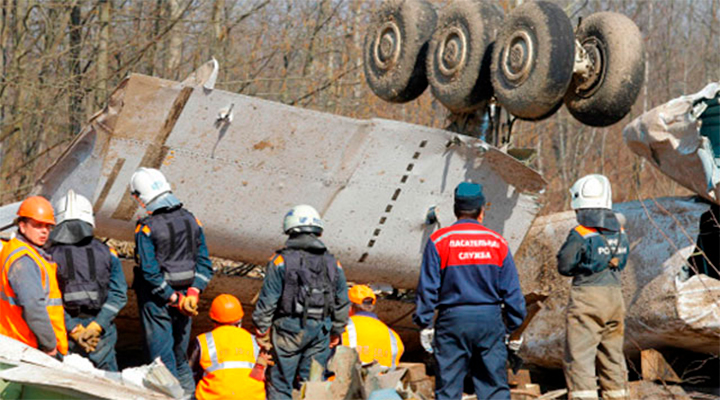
column 396, row 47
column 616, row 40
column 540, row 36
column 458, row 61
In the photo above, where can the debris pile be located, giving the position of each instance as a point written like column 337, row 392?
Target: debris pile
column 352, row 380
column 26, row 372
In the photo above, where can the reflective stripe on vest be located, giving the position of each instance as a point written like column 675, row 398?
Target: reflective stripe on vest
column 352, row 334
column 173, row 277
column 256, row 348
column 212, row 352
column 76, row 296
column 393, row 348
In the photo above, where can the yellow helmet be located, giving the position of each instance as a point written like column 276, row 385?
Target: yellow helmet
column 359, row 293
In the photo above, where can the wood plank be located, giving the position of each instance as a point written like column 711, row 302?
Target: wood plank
column 656, row 368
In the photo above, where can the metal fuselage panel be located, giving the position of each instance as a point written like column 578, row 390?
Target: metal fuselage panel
column 373, row 181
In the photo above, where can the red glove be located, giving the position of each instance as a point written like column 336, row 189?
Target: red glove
column 334, row 341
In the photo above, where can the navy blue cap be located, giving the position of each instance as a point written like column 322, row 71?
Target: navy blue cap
column 469, row 196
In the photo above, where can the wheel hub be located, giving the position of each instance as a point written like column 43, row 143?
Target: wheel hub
column 588, row 82
column 388, row 44
column 518, row 57
column 452, row 51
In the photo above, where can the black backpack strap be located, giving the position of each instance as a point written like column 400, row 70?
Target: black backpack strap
column 331, row 271
column 91, row 263
column 171, row 230
column 70, row 263
column 190, row 237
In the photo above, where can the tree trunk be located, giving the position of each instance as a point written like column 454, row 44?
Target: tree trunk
column 174, row 50
column 76, row 109
column 102, row 62
column 218, row 28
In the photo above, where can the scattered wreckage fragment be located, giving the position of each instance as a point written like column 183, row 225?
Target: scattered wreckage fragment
column 26, row 372
column 381, row 186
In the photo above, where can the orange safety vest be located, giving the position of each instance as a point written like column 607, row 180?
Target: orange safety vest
column 228, row 354
column 373, row 340
column 12, row 323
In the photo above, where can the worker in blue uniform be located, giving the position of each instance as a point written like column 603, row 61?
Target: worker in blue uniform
column 469, row 276
column 594, row 254
column 174, row 268
column 303, row 305
column 91, row 280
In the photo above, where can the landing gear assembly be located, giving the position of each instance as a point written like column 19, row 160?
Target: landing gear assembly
column 529, row 64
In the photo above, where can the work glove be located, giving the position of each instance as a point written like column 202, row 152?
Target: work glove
column 176, row 300
column 334, row 341
column 189, row 304
column 516, row 362
column 90, row 337
column 514, row 345
column 263, row 339
column 77, row 332
column 426, row 339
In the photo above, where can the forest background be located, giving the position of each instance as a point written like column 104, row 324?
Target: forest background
column 61, row 59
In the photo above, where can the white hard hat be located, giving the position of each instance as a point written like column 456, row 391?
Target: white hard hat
column 147, row 184
column 74, row 206
column 302, row 218
column 591, row 191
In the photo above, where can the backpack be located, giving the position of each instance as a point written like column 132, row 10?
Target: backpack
column 309, row 289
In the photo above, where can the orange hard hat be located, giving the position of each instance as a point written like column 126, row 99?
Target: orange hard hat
column 37, row 208
column 358, row 293
column 226, row 309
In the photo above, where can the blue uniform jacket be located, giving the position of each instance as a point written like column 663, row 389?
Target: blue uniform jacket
column 272, row 288
column 586, row 253
column 152, row 274
column 468, row 264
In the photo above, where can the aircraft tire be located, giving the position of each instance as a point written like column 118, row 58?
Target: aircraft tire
column 532, row 61
column 608, row 94
column 395, row 49
column 458, row 62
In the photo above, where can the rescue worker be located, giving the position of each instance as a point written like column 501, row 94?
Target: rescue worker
column 469, row 276
column 594, row 254
column 174, row 267
column 221, row 360
column 370, row 337
column 31, row 308
column 91, row 280
column 304, row 298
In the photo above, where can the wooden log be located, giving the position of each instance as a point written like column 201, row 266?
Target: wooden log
column 656, row 368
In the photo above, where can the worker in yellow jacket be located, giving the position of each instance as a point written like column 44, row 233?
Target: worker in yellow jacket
column 221, row 360
column 373, row 340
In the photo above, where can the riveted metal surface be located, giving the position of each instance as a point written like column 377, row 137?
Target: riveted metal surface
column 372, row 181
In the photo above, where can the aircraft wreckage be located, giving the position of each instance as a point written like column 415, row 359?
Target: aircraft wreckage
column 382, row 186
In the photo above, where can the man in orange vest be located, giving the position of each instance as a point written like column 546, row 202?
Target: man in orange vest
column 31, row 309
column 221, row 360
column 370, row 337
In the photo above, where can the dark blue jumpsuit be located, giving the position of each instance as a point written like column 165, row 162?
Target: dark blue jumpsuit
column 167, row 331
column 468, row 274
column 297, row 342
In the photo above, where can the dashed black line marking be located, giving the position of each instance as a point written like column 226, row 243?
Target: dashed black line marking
column 394, row 198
